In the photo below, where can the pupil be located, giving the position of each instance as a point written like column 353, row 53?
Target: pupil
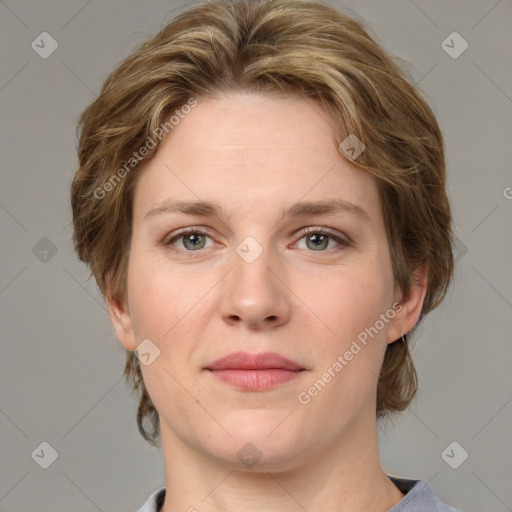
column 317, row 240
column 194, row 239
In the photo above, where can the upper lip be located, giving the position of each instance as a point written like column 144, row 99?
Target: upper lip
column 248, row 361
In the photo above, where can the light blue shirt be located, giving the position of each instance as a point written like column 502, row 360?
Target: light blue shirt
column 418, row 498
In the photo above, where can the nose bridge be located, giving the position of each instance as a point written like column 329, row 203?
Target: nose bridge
column 252, row 262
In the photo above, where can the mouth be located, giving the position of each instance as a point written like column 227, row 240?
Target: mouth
column 255, row 372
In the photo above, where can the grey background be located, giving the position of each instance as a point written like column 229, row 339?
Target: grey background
column 60, row 363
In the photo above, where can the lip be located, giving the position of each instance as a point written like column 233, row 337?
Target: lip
column 255, row 372
column 248, row 361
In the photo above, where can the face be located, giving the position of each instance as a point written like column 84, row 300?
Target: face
column 262, row 273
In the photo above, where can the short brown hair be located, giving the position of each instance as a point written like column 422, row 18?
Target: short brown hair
column 270, row 47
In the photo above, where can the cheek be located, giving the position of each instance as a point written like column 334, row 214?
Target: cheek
column 351, row 299
column 174, row 308
column 157, row 298
column 351, row 305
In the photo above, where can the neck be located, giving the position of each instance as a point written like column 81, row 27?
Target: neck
column 343, row 476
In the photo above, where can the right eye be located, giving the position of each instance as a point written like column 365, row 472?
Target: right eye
column 191, row 240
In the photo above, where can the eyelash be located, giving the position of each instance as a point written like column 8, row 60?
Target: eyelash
column 343, row 242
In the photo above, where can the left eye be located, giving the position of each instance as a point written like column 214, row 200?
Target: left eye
column 318, row 239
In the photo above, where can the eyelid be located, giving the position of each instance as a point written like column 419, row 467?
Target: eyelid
column 325, row 231
column 184, row 231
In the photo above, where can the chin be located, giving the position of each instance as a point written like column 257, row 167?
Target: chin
column 259, row 445
column 257, row 458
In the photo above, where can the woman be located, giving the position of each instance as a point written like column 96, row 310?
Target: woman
column 261, row 198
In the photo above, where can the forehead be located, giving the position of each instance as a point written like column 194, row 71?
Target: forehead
column 253, row 151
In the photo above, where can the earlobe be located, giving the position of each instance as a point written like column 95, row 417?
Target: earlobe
column 411, row 306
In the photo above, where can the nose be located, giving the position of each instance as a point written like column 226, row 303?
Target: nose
column 255, row 294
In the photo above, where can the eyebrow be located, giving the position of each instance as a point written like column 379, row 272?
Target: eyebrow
column 210, row 209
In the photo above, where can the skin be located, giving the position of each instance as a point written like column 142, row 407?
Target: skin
column 255, row 155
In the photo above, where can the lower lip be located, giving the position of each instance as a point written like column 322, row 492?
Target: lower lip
column 256, row 380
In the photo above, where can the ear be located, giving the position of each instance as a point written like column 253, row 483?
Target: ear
column 410, row 305
column 121, row 321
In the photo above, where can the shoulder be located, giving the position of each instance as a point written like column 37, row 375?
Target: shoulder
column 154, row 502
column 419, row 497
